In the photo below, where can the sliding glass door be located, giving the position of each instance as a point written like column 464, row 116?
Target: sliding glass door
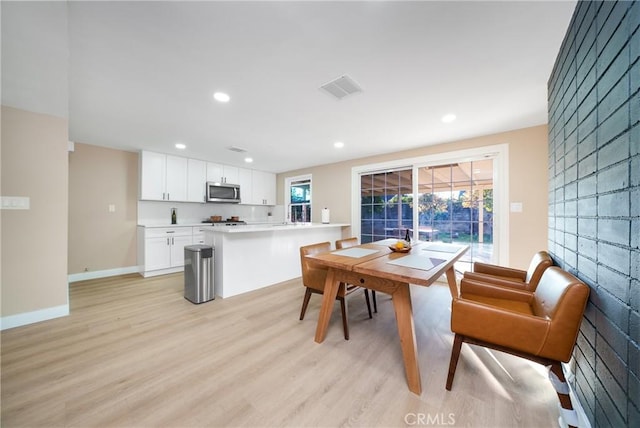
column 386, row 204
column 455, row 205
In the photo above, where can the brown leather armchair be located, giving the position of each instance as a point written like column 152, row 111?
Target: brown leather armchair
column 541, row 326
column 509, row 277
column 313, row 278
column 352, row 242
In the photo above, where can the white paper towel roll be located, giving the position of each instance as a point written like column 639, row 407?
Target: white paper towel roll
column 325, row 215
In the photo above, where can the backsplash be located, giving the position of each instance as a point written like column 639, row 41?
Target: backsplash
column 155, row 213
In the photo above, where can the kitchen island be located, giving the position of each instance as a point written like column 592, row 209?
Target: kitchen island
column 251, row 257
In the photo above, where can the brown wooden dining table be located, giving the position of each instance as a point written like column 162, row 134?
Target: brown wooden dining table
column 375, row 266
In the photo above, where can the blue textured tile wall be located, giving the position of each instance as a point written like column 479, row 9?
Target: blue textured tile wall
column 594, row 199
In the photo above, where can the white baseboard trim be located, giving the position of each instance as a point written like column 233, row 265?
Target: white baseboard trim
column 25, row 318
column 583, row 421
column 83, row 276
column 151, row 273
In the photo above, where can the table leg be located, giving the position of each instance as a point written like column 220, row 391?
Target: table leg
column 404, row 318
column 453, row 284
column 328, row 298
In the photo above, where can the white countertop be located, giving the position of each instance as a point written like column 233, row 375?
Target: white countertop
column 251, row 227
column 274, row 227
column 175, row 225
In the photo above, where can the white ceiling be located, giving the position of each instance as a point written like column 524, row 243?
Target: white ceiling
column 142, row 75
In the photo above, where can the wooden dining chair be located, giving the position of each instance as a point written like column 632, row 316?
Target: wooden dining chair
column 313, row 278
column 352, row 242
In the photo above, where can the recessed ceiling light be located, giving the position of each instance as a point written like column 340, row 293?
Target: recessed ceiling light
column 221, row 97
column 338, row 144
column 248, row 160
column 448, row 118
column 180, row 146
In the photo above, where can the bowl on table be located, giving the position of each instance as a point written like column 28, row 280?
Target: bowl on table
column 401, row 246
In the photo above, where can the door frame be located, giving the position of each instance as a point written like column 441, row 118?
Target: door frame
column 500, row 155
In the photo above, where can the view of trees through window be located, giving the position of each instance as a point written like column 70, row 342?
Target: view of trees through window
column 454, row 205
column 386, row 205
column 300, row 201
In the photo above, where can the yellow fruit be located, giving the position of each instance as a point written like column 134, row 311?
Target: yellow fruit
column 399, row 245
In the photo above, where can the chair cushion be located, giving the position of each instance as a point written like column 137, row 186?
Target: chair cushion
column 501, row 271
column 503, row 281
column 511, row 305
column 489, row 289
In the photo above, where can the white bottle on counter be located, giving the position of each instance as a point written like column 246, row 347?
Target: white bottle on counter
column 325, row 215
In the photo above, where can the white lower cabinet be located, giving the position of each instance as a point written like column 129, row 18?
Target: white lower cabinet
column 157, row 254
column 177, row 249
column 161, row 249
column 198, row 234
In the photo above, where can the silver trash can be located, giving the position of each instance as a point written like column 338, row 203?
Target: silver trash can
column 198, row 273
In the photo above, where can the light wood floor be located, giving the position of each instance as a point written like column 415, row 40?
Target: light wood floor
column 135, row 353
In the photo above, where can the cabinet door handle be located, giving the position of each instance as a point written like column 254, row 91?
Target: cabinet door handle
column 170, row 231
column 173, row 241
column 168, row 241
column 168, row 197
column 163, row 196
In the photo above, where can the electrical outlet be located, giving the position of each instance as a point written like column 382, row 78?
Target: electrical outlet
column 15, row 203
column 112, row 208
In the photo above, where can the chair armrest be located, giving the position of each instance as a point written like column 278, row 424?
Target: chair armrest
column 470, row 286
column 518, row 331
column 516, row 274
column 498, row 280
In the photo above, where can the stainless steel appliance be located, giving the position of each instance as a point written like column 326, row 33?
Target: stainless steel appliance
column 198, row 273
column 223, row 192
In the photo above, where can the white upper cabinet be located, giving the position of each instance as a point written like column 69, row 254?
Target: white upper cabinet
column 176, row 178
column 173, row 178
column 231, row 174
column 244, row 180
column 222, row 173
column 214, row 172
column 263, row 188
column 196, row 180
column 162, row 177
column 153, row 171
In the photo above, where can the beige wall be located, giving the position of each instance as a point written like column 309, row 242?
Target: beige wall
column 34, row 242
column 99, row 239
column 527, row 184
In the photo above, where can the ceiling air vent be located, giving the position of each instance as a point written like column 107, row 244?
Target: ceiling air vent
column 341, row 87
column 236, row 149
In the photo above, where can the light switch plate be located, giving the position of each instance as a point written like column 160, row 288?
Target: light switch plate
column 516, row 207
column 15, row 203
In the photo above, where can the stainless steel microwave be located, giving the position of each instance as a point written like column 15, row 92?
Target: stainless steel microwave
column 223, row 192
